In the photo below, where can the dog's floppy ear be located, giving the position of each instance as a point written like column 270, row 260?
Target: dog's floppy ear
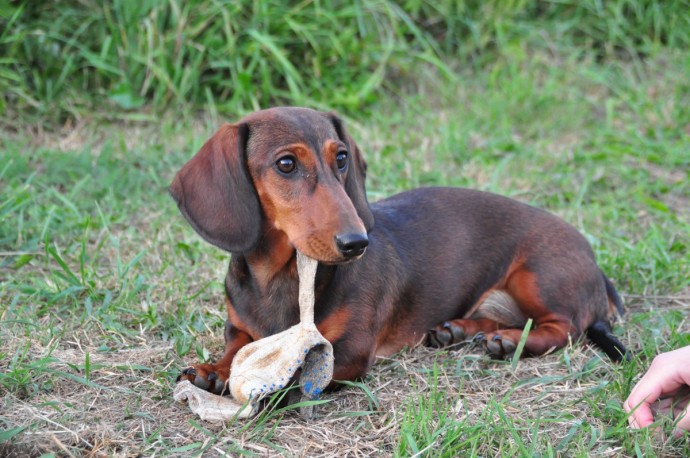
column 215, row 193
column 354, row 187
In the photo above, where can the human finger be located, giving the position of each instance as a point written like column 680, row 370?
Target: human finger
column 683, row 424
column 662, row 378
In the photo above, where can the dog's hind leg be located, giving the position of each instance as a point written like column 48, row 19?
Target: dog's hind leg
column 498, row 321
column 496, row 310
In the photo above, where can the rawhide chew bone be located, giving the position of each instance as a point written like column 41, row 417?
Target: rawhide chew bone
column 267, row 365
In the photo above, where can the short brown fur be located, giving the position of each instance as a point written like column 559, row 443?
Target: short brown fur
column 434, row 258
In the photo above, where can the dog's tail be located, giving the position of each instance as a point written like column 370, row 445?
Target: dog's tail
column 600, row 331
column 613, row 296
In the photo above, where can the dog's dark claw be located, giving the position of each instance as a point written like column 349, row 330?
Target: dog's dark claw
column 218, row 386
column 189, row 371
column 208, row 377
column 202, row 383
column 495, row 345
column 509, row 347
column 430, row 335
column 457, row 333
column 479, row 337
column 438, row 340
column 499, row 346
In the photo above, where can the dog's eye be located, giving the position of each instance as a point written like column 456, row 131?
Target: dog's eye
column 286, row 164
column 341, row 160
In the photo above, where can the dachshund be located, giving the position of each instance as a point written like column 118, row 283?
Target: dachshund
column 439, row 266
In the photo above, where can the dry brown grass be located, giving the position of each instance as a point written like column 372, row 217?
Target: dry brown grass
column 126, row 409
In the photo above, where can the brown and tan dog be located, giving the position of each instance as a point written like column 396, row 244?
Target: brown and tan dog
column 437, row 265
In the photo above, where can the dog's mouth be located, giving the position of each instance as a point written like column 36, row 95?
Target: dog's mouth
column 348, row 258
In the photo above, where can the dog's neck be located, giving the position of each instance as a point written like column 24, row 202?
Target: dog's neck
column 273, row 256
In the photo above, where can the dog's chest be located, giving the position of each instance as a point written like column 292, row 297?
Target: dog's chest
column 273, row 307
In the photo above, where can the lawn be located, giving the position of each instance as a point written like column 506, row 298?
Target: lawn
column 106, row 293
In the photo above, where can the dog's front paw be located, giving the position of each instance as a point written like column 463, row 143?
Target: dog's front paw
column 209, row 377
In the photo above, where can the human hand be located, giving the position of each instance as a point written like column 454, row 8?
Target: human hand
column 663, row 390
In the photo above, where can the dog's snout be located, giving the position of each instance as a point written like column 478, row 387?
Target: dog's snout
column 351, row 245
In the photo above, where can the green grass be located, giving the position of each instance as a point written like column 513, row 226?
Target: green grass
column 105, row 292
column 125, row 59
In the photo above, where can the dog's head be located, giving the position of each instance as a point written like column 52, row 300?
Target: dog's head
column 289, row 169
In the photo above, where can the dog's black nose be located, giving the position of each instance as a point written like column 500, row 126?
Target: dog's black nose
column 351, row 245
